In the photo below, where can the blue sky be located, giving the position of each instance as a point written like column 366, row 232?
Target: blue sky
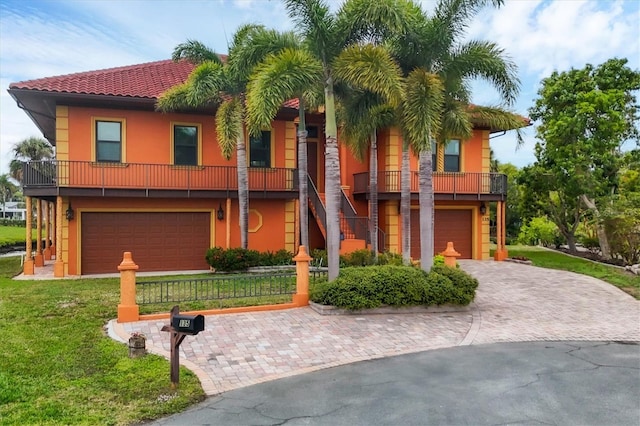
column 46, row 38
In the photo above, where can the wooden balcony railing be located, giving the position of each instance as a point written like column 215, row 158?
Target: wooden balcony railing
column 443, row 183
column 86, row 174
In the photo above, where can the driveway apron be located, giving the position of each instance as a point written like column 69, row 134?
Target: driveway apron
column 514, row 303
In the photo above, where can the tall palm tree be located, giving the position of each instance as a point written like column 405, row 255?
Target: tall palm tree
column 30, row 149
column 327, row 37
column 215, row 82
column 438, row 67
column 7, row 189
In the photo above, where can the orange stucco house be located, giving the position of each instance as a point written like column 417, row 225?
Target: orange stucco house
column 129, row 178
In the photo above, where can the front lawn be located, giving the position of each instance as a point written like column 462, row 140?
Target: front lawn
column 555, row 260
column 57, row 366
column 13, row 235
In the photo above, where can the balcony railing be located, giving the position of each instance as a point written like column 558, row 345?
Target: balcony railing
column 443, row 183
column 86, row 174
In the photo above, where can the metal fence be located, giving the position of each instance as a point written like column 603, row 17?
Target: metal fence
column 218, row 288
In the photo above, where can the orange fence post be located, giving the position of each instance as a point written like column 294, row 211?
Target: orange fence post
column 302, row 259
column 450, row 255
column 128, row 310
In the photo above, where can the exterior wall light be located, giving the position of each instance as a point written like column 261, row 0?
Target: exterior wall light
column 69, row 213
column 220, row 212
column 483, row 209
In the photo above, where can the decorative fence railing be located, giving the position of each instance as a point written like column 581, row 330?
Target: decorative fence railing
column 443, row 182
column 87, row 174
column 217, row 288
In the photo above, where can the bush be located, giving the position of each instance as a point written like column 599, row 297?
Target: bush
column 373, row 286
column 233, row 259
column 278, row 258
column 539, row 230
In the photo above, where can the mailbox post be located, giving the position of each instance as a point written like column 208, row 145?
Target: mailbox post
column 180, row 326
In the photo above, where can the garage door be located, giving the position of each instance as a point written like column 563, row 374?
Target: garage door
column 450, row 225
column 159, row 241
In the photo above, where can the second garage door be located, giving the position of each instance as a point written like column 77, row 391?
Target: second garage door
column 163, row 241
column 449, row 225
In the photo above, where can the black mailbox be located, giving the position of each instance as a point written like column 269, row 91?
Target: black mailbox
column 188, row 324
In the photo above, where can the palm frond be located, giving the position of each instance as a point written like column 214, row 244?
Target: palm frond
column 279, row 78
column 206, row 83
column 174, row 98
column 316, row 24
column 370, row 68
column 229, row 125
column 194, row 52
column 422, row 108
column 456, row 122
column 366, row 21
column 496, row 118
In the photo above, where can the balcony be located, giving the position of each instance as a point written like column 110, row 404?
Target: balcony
column 86, row 178
column 446, row 186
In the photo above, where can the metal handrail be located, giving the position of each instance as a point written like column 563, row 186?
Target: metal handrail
column 87, row 174
column 316, row 203
column 443, row 182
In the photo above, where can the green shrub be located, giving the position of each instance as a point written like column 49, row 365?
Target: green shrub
column 233, row 259
column 278, row 258
column 388, row 258
column 539, row 230
column 362, row 288
column 361, row 257
column 14, row 222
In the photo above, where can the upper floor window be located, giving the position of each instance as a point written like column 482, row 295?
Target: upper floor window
column 185, row 145
column 434, row 156
column 109, row 141
column 260, row 150
column 452, row 156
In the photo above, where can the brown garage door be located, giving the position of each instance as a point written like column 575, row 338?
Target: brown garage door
column 159, row 241
column 450, row 225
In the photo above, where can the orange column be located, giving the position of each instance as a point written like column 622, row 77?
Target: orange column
column 58, row 266
column 128, row 310
column 301, row 298
column 28, row 268
column 47, row 224
column 228, row 223
column 504, row 229
column 54, row 237
column 500, row 252
column 39, row 258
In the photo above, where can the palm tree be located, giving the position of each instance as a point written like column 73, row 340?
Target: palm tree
column 214, row 82
column 327, row 37
column 438, row 67
column 30, row 149
column 7, row 190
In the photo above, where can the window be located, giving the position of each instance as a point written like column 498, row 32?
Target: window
column 434, row 156
column 185, row 145
column 452, row 156
column 260, row 150
column 108, row 141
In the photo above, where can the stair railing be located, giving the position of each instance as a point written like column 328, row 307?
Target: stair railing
column 316, row 204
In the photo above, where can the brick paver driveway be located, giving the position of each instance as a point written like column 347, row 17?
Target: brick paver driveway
column 514, row 303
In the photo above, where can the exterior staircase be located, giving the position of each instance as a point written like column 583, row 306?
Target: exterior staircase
column 353, row 229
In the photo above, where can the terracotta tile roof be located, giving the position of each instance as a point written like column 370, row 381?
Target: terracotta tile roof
column 147, row 80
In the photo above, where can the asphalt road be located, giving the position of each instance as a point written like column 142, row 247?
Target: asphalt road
column 551, row 383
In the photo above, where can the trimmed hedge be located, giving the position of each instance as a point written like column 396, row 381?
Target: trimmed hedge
column 374, row 286
column 239, row 259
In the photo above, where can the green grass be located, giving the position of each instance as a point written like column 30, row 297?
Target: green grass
column 13, row 235
column 555, row 260
column 58, row 367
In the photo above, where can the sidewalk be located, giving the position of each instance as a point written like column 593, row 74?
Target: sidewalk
column 514, row 303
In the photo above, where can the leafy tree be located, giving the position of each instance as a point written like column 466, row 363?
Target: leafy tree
column 585, row 116
column 30, row 149
column 215, row 82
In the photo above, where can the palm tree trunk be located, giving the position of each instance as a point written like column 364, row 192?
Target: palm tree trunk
column 405, row 204
column 426, row 210
column 243, row 190
column 303, row 193
column 373, row 193
column 332, row 182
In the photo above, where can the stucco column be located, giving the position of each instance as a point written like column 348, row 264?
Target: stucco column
column 39, row 258
column 58, row 266
column 47, row 242
column 128, row 310
column 28, row 267
column 228, row 223
column 504, row 229
column 54, row 235
column 500, row 253
column 301, row 298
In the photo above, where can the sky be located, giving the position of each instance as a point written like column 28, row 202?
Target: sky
column 53, row 37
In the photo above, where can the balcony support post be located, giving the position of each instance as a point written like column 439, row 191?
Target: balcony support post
column 54, row 228
column 47, row 224
column 39, row 258
column 28, row 267
column 58, row 266
column 501, row 251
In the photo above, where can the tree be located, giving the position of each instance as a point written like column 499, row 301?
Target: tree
column 215, row 82
column 585, row 117
column 331, row 41
column 30, row 149
column 7, row 190
column 437, row 67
